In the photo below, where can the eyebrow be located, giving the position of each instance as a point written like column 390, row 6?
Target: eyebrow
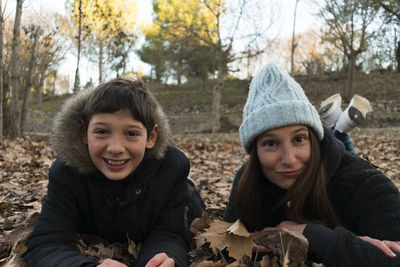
column 100, row 123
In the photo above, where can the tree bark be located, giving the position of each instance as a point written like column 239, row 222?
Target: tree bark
column 14, row 81
column 294, row 45
column 29, row 81
column 100, row 61
column 76, row 83
column 39, row 88
column 217, row 92
column 1, row 71
column 350, row 77
column 39, row 92
column 398, row 56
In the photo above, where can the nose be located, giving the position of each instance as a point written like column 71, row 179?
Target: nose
column 288, row 156
column 115, row 145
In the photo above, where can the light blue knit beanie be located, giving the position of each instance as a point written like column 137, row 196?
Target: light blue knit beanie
column 275, row 99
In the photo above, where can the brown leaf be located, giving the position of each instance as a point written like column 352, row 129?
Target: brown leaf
column 238, row 229
column 199, row 224
column 284, row 242
column 220, row 237
column 239, row 246
column 134, row 249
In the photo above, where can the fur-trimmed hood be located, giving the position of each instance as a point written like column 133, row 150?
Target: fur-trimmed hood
column 67, row 134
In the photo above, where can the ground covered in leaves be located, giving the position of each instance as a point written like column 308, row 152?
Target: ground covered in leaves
column 215, row 158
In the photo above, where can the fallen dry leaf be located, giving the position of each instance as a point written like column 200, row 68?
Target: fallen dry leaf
column 284, row 243
column 221, row 235
column 238, row 229
column 199, row 224
column 215, row 158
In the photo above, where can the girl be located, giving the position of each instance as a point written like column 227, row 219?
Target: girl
column 116, row 177
column 300, row 177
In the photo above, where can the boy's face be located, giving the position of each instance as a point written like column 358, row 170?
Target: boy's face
column 117, row 142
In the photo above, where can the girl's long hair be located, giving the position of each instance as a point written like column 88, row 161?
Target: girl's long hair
column 258, row 201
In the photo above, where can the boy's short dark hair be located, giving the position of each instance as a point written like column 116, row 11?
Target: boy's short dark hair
column 126, row 95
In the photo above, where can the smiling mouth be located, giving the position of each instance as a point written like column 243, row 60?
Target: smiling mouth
column 291, row 173
column 115, row 162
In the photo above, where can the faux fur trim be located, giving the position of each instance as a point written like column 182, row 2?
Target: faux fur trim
column 66, row 137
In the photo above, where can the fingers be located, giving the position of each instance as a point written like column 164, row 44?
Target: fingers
column 385, row 246
column 168, row 263
column 261, row 249
column 393, row 245
column 297, row 227
column 160, row 260
column 268, row 228
column 111, row 263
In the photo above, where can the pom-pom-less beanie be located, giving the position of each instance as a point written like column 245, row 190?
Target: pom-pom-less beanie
column 275, row 99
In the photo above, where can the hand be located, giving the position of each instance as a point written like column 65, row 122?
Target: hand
column 292, row 226
column 162, row 260
column 386, row 246
column 260, row 249
column 111, row 263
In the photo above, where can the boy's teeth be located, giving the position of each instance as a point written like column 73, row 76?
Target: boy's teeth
column 115, row 162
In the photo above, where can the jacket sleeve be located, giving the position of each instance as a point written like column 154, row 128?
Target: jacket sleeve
column 372, row 209
column 52, row 240
column 171, row 233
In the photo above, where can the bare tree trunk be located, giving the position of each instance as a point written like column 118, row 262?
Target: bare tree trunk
column 101, row 61
column 39, row 92
column 350, row 77
column 77, row 81
column 14, row 81
column 217, row 92
column 39, row 87
column 398, row 56
column 29, row 81
column 54, row 81
column 1, row 71
column 294, row 45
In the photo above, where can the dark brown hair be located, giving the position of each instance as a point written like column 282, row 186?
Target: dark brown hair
column 257, row 199
column 122, row 95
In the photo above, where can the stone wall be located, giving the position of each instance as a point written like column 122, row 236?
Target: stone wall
column 386, row 113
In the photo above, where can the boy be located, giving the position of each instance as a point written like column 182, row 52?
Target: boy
column 117, row 177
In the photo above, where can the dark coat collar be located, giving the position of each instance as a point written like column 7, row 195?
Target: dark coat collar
column 333, row 151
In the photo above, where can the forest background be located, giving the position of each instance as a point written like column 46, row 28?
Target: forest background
column 201, row 56
column 209, row 46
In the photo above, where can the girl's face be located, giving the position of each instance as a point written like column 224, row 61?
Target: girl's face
column 283, row 153
column 117, row 143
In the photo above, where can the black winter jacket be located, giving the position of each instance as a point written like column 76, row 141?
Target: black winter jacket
column 151, row 206
column 365, row 200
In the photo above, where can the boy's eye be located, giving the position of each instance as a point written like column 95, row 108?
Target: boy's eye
column 100, row 131
column 132, row 133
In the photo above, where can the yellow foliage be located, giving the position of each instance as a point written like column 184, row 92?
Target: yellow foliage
column 105, row 17
column 184, row 19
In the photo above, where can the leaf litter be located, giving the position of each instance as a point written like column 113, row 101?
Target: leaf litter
column 215, row 158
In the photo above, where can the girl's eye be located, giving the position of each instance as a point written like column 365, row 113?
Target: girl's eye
column 269, row 143
column 299, row 139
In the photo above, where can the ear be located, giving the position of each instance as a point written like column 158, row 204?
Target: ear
column 152, row 139
column 84, row 139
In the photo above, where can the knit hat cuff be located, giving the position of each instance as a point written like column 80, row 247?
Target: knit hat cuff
column 277, row 115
